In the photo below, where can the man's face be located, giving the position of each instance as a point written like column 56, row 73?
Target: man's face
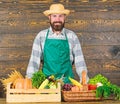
column 57, row 21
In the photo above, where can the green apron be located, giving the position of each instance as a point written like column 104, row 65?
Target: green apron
column 56, row 58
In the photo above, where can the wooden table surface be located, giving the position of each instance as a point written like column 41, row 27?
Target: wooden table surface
column 3, row 101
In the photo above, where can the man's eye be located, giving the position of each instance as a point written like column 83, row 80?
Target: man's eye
column 53, row 15
column 61, row 16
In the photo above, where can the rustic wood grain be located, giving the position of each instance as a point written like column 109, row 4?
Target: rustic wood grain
column 96, row 23
column 14, row 53
column 17, row 40
column 106, row 65
column 99, row 38
column 101, row 52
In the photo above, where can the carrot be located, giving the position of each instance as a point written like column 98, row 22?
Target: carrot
column 84, row 77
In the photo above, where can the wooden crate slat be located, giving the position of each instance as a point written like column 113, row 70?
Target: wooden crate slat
column 33, row 95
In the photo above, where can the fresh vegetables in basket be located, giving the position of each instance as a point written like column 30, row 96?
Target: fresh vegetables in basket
column 105, row 87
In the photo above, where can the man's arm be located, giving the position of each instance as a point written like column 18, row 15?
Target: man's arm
column 34, row 62
column 79, row 58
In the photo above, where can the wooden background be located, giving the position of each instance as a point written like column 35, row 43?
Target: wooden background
column 96, row 22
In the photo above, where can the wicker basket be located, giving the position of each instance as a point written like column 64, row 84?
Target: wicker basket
column 89, row 95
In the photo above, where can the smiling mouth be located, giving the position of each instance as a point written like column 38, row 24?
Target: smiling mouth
column 57, row 23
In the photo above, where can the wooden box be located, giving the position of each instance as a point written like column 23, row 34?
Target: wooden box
column 33, row 95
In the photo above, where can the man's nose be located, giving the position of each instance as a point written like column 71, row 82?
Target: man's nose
column 58, row 18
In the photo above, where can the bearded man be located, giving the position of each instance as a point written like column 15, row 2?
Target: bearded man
column 58, row 48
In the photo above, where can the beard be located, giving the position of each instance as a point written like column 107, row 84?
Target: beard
column 57, row 26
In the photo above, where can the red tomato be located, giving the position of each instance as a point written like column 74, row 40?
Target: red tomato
column 92, row 87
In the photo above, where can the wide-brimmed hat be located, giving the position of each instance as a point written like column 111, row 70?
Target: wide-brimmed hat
column 56, row 9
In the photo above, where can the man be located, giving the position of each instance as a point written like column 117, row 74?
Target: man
column 57, row 47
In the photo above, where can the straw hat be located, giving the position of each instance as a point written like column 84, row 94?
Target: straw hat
column 56, row 9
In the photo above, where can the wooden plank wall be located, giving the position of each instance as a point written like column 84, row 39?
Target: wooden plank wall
column 96, row 22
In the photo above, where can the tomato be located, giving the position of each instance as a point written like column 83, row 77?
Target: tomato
column 92, row 87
